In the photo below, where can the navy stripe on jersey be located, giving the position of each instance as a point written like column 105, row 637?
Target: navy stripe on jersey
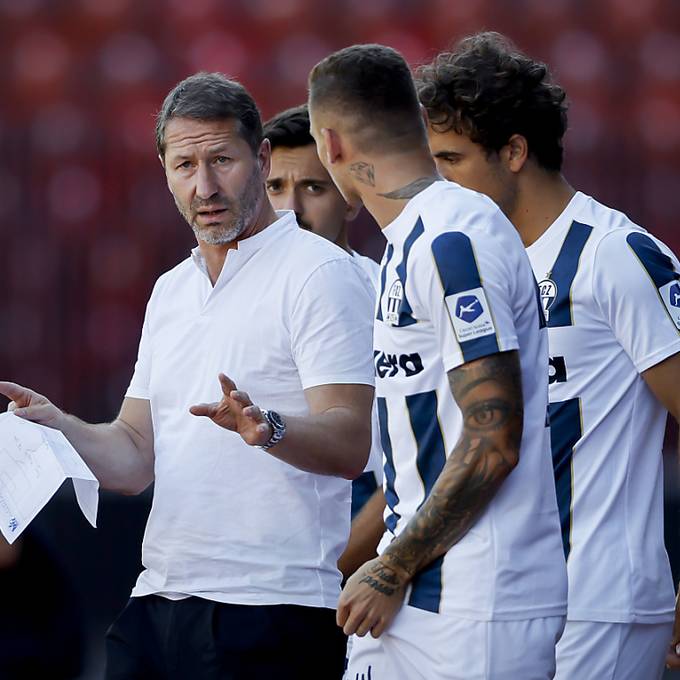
column 405, row 310
column 430, row 459
column 383, row 277
column 363, row 487
column 563, row 274
column 658, row 265
column 565, row 431
column 458, row 272
column 390, row 494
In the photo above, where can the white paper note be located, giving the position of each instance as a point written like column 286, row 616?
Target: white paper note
column 34, row 462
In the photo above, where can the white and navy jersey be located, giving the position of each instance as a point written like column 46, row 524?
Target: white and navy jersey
column 455, row 286
column 364, row 486
column 612, row 300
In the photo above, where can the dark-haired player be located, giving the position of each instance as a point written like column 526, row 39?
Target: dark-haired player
column 611, row 295
column 461, row 356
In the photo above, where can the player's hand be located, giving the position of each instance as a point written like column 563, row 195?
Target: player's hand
column 371, row 598
column 30, row 405
column 236, row 412
column 673, row 654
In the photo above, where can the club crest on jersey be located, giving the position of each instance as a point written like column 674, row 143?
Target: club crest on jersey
column 470, row 314
column 670, row 294
column 548, row 290
column 395, row 297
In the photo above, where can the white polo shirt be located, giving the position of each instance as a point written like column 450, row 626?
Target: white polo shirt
column 230, row 522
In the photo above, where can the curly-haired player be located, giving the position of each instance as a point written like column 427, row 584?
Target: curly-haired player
column 611, row 296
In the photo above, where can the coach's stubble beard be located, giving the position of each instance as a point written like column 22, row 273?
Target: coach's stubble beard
column 242, row 210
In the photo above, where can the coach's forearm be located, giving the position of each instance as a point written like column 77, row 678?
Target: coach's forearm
column 335, row 442
column 113, row 451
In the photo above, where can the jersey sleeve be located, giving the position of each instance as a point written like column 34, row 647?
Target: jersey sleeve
column 469, row 298
column 636, row 286
column 139, row 385
column 332, row 326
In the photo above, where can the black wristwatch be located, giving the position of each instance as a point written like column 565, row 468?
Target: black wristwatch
column 278, row 426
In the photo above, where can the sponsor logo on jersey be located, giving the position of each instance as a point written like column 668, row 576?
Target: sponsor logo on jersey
column 548, row 290
column 388, row 365
column 395, row 297
column 470, row 314
column 557, row 370
column 670, row 294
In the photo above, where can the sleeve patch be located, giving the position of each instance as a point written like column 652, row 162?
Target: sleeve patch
column 470, row 315
column 670, row 294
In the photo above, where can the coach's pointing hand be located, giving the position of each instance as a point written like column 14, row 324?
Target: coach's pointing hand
column 236, row 412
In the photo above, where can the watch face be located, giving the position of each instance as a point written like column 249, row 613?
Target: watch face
column 277, row 420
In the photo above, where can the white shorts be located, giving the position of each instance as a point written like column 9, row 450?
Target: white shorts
column 420, row 645
column 595, row 650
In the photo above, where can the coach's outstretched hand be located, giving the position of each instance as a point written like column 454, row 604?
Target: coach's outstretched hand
column 31, row 405
column 236, row 412
column 371, row 598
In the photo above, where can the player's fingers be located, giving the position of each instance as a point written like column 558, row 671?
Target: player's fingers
column 12, row 406
column 356, row 616
column 208, row 410
column 227, row 384
column 379, row 627
column 366, row 624
column 342, row 613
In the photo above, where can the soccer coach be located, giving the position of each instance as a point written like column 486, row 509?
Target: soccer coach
column 249, row 408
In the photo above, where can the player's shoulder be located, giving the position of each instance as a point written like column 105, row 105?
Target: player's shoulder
column 370, row 267
column 614, row 234
column 456, row 220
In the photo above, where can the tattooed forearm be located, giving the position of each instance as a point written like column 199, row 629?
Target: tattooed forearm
column 410, row 190
column 364, row 172
column 488, row 391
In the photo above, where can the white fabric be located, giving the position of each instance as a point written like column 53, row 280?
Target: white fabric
column 375, row 463
column 595, row 650
column 230, row 522
column 510, row 563
column 617, row 565
column 420, row 645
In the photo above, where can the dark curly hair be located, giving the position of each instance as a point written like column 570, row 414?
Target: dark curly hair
column 289, row 128
column 488, row 90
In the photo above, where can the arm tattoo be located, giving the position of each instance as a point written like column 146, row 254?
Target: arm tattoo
column 364, row 172
column 410, row 190
column 488, row 392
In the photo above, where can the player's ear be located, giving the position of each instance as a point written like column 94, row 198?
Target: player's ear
column 515, row 153
column 351, row 211
column 332, row 145
column 264, row 157
column 425, row 117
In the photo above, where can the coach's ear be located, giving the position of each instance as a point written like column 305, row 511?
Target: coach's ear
column 515, row 153
column 332, row 145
